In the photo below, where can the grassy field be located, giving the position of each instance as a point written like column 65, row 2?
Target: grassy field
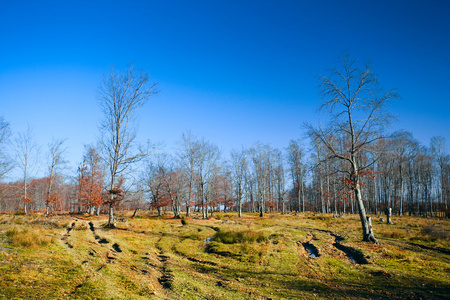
column 303, row 256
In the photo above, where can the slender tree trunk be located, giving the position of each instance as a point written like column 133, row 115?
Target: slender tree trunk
column 322, row 203
column 368, row 235
column 401, row 198
column 202, row 199
column 328, row 194
column 135, row 211
column 429, row 200
column 239, row 201
column 303, row 197
column 188, row 202
column 111, row 216
column 334, row 199
column 25, row 191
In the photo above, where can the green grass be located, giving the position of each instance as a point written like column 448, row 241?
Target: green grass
column 224, row 257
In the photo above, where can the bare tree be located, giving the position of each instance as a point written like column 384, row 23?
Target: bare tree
column 262, row 165
column 154, row 182
column 438, row 152
column 209, row 156
column 189, row 154
column 121, row 94
column 56, row 152
column 357, row 109
column 239, row 166
column 5, row 162
column 26, row 159
column 297, row 170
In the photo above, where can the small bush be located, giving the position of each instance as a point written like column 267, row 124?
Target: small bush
column 229, row 237
column 183, row 221
column 50, row 223
column 275, row 236
column 220, row 249
column 433, row 233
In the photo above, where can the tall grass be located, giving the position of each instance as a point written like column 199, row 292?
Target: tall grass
column 28, row 238
column 230, row 237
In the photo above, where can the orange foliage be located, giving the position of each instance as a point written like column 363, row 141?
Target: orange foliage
column 90, row 180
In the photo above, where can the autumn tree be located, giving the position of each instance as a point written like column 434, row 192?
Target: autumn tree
column 121, row 95
column 166, row 182
column 357, row 111
column 90, row 180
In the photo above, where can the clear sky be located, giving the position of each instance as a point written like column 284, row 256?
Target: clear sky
column 233, row 72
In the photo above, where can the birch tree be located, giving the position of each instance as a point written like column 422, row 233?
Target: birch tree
column 121, row 95
column 441, row 158
column 26, row 159
column 356, row 106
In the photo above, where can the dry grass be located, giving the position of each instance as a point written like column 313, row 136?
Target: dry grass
column 225, row 257
column 27, row 238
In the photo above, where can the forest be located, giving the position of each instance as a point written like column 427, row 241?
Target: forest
column 315, row 172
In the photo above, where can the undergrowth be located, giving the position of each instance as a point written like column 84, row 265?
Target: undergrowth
column 230, row 237
column 28, row 237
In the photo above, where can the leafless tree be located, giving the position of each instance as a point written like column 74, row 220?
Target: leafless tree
column 154, row 182
column 262, row 167
column 189, row 155
column 239, row 166
column 56, row 151
column 26, row 159
column 208, row 161
column 357, row 110
column 297, row 170
column 5, row 162
column 441, row 158
column 121, row 94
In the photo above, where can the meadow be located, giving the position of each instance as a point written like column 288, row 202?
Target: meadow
column 295, row 256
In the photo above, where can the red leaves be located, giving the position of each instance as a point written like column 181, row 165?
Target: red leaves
column 90, row 180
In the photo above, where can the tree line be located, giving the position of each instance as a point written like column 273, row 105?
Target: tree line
column 349, row 166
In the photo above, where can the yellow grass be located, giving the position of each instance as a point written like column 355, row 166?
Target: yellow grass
column 225, row 257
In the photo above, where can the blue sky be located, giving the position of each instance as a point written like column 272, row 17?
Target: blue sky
column 233, row 72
